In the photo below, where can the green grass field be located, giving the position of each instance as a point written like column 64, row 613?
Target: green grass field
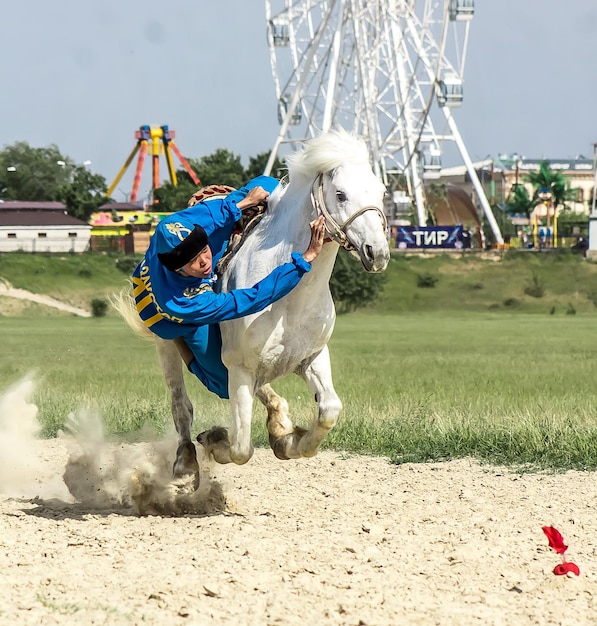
column 497, row 385
column 567, row 283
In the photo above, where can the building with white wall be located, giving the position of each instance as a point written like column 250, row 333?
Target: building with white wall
column 41, row 227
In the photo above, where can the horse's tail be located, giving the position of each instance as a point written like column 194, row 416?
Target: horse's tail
column 124, row 304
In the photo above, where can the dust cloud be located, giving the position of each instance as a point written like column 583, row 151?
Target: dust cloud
column 22, row 469
column 99, row 474
column 107, row 475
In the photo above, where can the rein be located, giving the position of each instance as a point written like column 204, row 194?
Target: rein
column 337, row 231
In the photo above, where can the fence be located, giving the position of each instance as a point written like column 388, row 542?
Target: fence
column 132, row 243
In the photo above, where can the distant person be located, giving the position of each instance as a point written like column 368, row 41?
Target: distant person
column 581, row 245
column 542, row 237
column 175, row 287
column 466, row 238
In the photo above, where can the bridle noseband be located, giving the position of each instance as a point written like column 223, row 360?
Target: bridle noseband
column 336, row 231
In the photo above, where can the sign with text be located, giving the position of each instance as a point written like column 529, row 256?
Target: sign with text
column 432, row 237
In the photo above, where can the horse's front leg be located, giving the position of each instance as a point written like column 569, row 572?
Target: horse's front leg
column 318, row 376
column 234, row 446
column 186, row 465
column 283, row 435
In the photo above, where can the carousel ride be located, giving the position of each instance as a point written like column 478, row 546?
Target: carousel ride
column 153, row 141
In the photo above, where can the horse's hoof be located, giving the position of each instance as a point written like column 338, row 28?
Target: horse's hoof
column 213, row 436
column 186, row 466
column 278, row 446
column 286, row 447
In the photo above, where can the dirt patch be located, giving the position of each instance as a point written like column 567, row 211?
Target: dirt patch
column 333, row 540
column 8, row 296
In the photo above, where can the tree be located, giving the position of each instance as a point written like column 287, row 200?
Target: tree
column 569, row 219
column 220, row 168
column 84, row 193
column 519, row 201
column 548, row 180
column 46, row 175
column 504, row 222
column 353, row 288
column 437, row 196
column 32, row 174
column 170, row 198
column 590, row 200
column 257, row 165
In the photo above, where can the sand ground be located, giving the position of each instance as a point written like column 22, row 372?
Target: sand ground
column 332, row 540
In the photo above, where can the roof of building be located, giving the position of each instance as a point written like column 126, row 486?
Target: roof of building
column 505, row 163
column 30, row 205
column 39, row 218
column 461, row 170
column 511, row 162
column 123, row 206
column 566, row 165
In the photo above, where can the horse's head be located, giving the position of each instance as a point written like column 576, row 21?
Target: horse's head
column 346, row 192
column 350, row 197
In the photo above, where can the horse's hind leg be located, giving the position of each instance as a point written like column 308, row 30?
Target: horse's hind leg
column 186, row 465
column 234, row 445
column 318, row 376
column 283, row 437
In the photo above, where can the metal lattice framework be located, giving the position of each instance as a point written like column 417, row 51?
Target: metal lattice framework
column 391, row 70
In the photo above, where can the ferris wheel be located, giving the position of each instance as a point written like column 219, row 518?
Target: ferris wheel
column 390, row 70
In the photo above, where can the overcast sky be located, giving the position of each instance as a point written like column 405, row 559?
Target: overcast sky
column 84, row 75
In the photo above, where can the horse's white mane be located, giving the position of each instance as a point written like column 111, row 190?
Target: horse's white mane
column 327, row 152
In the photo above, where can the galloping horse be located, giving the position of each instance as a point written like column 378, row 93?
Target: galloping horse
column 330, row 176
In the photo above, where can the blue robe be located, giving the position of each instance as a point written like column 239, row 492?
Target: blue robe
column 174, row 306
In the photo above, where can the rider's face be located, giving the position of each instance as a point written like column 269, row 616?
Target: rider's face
column 200, row 266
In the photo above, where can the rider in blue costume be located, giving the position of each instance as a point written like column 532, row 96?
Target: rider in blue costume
column 174, row 286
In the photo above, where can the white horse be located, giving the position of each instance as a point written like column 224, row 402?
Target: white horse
column 330, row 176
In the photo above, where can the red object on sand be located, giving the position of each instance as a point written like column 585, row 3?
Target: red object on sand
column 564, row 568
column 556, row 541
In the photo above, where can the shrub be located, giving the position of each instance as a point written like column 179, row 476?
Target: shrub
column 592, row 296
column 511, row 302
column 570, row 310
column 426, row 281
column 99, row 307
column 127, row 264
column 85, row 273
column 351, row 287
column 536, row 288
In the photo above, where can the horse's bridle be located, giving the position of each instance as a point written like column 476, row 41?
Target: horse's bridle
column 336, row 231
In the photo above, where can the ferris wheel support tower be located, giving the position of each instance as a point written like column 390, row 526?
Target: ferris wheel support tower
column 381, row 69
column 470, row 168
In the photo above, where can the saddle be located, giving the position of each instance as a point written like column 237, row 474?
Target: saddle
column 250, row 218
